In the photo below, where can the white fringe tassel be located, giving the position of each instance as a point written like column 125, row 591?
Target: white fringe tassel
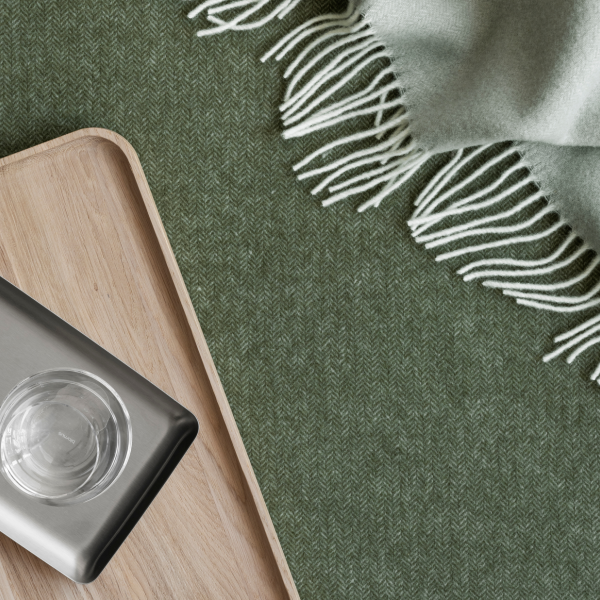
column 444, row 198
column 339, row 48
column 243, row 14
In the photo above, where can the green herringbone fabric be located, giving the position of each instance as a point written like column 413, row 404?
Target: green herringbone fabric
column 408, row 440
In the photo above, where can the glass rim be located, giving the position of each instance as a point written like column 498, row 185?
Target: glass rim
column 117, row 463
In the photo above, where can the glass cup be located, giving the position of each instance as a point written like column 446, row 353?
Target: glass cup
column 65, row 436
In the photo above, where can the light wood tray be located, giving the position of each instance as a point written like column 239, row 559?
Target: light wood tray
column 79, row 231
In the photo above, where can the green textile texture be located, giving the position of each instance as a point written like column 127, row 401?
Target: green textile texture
column 408, row 440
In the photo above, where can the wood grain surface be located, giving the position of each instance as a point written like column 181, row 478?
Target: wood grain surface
column 81, row 234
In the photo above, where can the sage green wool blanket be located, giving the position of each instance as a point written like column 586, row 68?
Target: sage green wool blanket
column 458, row 75
column 407, row 438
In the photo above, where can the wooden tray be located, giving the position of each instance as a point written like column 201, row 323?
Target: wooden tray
column 81, row 234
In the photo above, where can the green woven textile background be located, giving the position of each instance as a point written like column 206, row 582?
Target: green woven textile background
column 407, row 438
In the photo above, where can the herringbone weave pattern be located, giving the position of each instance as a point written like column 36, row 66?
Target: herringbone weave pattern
column 408, row 440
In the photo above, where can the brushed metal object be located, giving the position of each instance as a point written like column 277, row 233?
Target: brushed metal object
column 79, row 540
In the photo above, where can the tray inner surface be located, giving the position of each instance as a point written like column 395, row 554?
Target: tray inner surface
column 80, row 234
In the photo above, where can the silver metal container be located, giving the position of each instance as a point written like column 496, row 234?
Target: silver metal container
column 86, row 443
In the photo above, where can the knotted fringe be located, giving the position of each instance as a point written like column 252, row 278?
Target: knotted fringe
column 506, row 210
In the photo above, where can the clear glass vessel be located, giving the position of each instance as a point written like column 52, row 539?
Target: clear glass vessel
column 65, row 436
